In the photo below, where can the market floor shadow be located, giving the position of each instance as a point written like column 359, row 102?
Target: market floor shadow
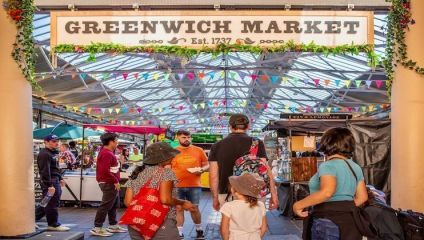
column 279, row 227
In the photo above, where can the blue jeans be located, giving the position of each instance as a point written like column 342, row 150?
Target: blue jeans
column 324, row 229
column 50, row 211
column 191, row 194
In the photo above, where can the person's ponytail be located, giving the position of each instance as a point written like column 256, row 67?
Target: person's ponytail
column 137, row 171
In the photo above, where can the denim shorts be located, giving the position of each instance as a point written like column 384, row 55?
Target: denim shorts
column 324, row 229
column 191, row 194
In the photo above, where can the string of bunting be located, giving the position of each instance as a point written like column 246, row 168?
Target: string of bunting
column 259, row 106
column 262, row 78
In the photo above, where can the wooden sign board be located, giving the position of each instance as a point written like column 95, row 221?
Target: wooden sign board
column 209, row 28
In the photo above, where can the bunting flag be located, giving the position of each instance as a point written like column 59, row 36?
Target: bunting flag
column 200, row 75
column 180, row 76
column 139, row 110
column 73, row 76
column 295, row 81
column 125, row 75
column 203, row 105
column 117, row 110
column 156, row 76
column 190, row 76
column 83, row 76
column 316, row 82
column 285, row 80
column 146, row 76
column 326, row 82
column 379, row 83
column 135, row 75
column 89, row 110
column 337, row 82
column 212, row 75
column 110, row 110
column 166, row 76
column 103, row 110
column 329, row 109
column 321, row 109
column 347, row 83
column 233, row 75
column 195, row 106
column 368, row 82
column 254, row 77
column 306, row 81
column 105, row 76
column 264, row 78
column 358, row 83
column 75, row 109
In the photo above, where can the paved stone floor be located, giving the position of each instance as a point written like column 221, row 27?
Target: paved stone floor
column 81, row 220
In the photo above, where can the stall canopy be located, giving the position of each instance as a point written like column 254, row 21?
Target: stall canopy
column 303, row 126
column 127, row 129
column 64, row 132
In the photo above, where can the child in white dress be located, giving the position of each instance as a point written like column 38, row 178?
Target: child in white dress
column 244, row 218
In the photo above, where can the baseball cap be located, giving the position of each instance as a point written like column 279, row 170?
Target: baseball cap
column 238, row 119
column 51, row 137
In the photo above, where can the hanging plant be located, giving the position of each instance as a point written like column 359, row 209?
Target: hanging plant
column 22, row 13
column 398, row 22
column 290, row 46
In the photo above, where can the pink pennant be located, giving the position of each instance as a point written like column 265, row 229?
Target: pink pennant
column 125, row 75
column 136, row 76
column 308, row 109
column 350, row 109
column 316, row 82
column 224, row 102
column 181, row 108
column 265, row 106
column 379, row 83
column 190, row 76
column 139, row 110
column 254, row 77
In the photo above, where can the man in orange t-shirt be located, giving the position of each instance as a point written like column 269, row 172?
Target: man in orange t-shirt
column 188, row 166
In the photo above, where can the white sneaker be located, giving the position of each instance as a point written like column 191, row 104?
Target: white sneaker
column 102, row 232
column 116, row 229
column 58, row 229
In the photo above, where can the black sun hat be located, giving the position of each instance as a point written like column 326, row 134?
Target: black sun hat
column 159, row 152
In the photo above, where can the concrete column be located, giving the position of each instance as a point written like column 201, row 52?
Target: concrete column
column 408, row 122
column 16, row 157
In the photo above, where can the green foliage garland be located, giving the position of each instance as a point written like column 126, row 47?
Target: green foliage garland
column 22, row 13
column 289, row 46
column 398, row 22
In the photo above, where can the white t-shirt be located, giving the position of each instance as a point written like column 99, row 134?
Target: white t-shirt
column 245, row 222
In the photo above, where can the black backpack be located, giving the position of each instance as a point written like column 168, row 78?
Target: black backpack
column 412, row 224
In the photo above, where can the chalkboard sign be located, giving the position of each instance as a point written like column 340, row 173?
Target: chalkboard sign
column 38, row 192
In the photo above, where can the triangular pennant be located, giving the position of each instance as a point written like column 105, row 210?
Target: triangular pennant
column 180, row 76
column 105, row 76
column 132, row 122
column 308, row 109
column 295, row 80
column 293, row 109
column 358, row 83
column 368, row 82
column 316, row 82
column 110, row 110
column 356, row 109
column 146, row 76
column 202, row 105
column 75, row 109
column 326, row 82
column 329, row 109
column 83, row 76
column 200, row 75
column 68, row 108
column 264, row 78
column 286, row 107
column 135, row 75
column 254, row 77
column 379, row 83
column 166, row 76
column 371, row 108
column 212, row 75
column 321, row 109
column 195, row 106
column 139, row 110
column 117, row 110
column 190, row 76
column 82, row 109
column 306, row 81
column 285, row 80
column 315, row 109
column 125, row 75
column 156, row 76
column 337, row 82
column 233, row 75
column 336, row 109
column 103, row 110
column 347, row 83
column 364, row 108
column 73, row 76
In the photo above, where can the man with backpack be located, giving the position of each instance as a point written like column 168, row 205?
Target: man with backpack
column 235, row 154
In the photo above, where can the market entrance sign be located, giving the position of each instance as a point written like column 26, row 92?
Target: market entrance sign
column 199, row 28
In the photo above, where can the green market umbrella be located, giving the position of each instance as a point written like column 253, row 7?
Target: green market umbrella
column 65, row 132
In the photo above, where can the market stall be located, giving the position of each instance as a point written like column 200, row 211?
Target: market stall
column 299, row 135
column 83, row 186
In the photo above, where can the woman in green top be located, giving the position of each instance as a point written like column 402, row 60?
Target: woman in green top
column 336, row 190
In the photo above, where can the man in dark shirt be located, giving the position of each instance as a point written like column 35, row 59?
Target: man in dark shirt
column 223, row 155
column 51, row 182
column 107, row 175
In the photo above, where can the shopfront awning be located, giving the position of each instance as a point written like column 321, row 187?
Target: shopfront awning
column 126, row 129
